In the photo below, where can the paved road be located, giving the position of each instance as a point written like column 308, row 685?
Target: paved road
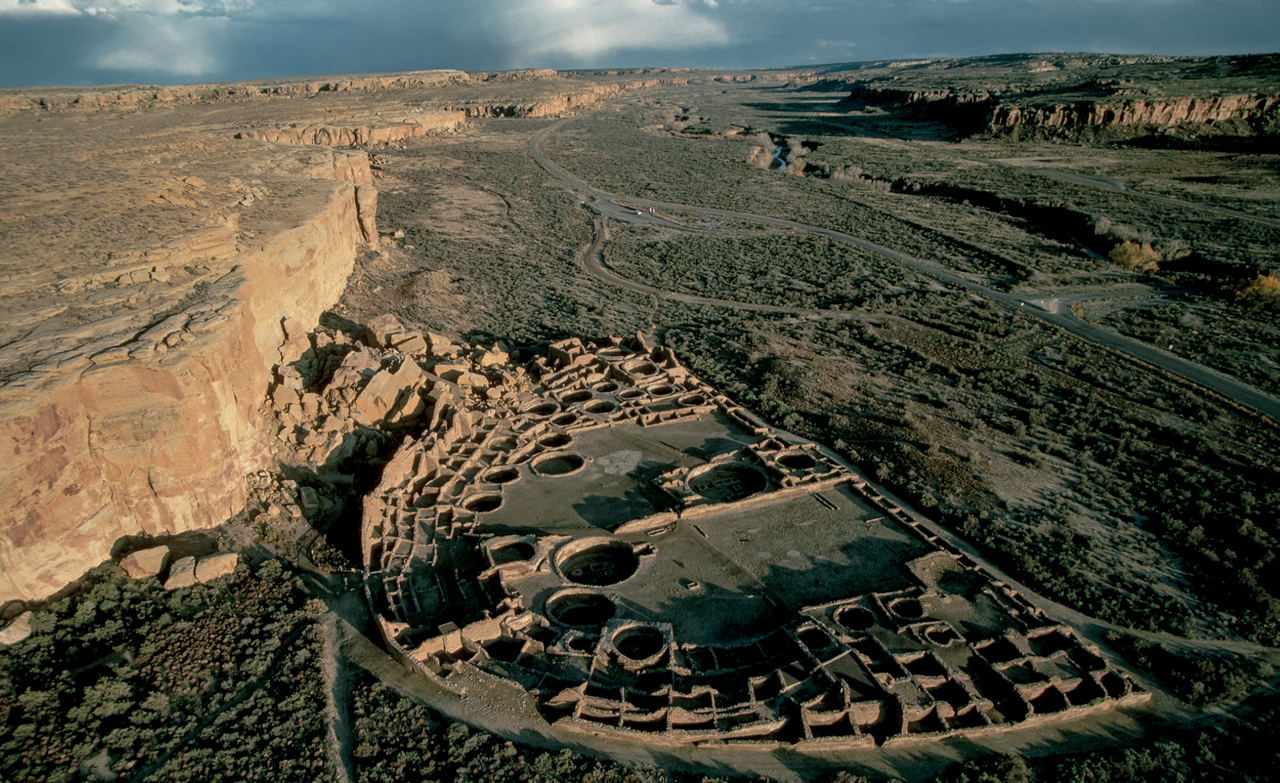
column 636, row 211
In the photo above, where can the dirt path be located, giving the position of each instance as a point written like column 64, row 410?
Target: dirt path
column 608, row 205
column 338, row 678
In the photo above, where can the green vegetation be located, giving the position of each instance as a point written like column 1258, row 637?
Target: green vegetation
column 1241, row 341
column 214, row 682
column 805, row 271
column 1203, row 680
column 397, row 739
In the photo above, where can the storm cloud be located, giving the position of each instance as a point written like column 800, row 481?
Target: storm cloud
column 81, row 42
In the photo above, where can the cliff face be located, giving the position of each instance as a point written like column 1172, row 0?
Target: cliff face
column 561, row 104
column 144, row 312
column 997, row 112
column 157, row 440
column 342, row 135
column 142, row 96
column 1169, row 113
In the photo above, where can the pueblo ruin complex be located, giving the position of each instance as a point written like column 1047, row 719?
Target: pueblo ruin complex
column 634, row 556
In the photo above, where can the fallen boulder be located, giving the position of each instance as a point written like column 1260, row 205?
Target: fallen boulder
column 16, row 631
column 146, row 562
column 383, row 327
column 216, row 565
column 386, row 393
column 181, row 574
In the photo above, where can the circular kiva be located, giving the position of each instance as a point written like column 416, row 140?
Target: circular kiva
column 606, row 387
column 662, row 390
column 503, row 474
column 813, row 638
column 639, row 642
column 612, row 353
column 564, row 419
column 513, row 552
column 630, row 394
column 582, row 609
column 597, row 561
column 692, row 400
column 727, row 482
column 557, row 463
column 555, row 440
column 796, row 460
column 574, row 397
column 480, row 503
column 540, row 408
column 855, row 618
column 600, row 407
column 907, row 608
column 639, row 368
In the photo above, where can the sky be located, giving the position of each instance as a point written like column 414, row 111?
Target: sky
column 87, row 42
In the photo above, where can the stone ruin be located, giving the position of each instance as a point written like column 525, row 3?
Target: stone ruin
column 606, row 539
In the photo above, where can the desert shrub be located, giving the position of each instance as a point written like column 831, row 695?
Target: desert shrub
column 1201, row 680
column 131, row 679
column 1135, row 256
column 1262, row 291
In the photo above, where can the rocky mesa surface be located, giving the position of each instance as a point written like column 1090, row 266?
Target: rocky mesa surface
column 144, row 297
column 162, row 245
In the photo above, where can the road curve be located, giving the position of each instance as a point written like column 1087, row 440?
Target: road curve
column 607, row 206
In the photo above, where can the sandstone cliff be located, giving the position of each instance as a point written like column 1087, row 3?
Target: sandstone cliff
column 144, row 310
column 347, row 134
column 1002, row 110
column 142, row 96
column 1252, row 108
column 115, row 428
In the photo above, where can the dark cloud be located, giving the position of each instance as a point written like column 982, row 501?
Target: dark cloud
column 78, row 42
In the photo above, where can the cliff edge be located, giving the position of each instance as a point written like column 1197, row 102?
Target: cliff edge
column 143, row 319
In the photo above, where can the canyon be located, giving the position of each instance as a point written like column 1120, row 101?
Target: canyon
column 655, row 414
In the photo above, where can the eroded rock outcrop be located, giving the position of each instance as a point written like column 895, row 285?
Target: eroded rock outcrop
column 340, row 135
column 1009, row 108
column 153, row 434
column 1251, row 108
column 567, row 102
column 57, row 98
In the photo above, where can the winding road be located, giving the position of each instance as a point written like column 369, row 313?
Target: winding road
column 643, row 212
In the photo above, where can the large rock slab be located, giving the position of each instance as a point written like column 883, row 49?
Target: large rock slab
column 216, row 565
column 16, row 631
column 146, row 562
column 182, row 574
column 387, row 392
column 382, row 327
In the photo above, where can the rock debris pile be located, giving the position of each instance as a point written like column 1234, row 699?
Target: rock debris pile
column 340, row 397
